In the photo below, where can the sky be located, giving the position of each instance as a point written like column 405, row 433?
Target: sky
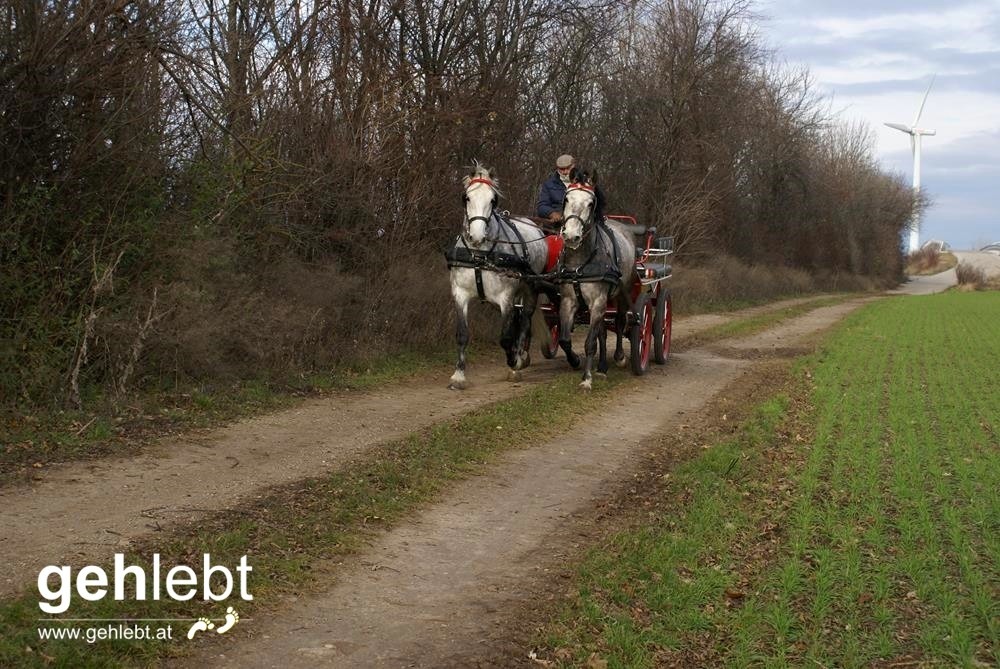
column 875, row 60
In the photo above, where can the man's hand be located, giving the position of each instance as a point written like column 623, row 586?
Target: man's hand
column 555, row 216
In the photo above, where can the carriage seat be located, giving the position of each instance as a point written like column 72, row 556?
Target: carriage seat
column 555, row 247
column 659, row 269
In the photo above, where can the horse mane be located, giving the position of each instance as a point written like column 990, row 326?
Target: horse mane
column 480, row 171
column 583, row 175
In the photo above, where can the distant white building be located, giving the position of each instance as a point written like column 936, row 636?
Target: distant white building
column 992, row 248
column 937, row 245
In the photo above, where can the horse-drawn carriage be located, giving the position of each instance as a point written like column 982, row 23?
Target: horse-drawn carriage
column 650, row 322
column 593, row 272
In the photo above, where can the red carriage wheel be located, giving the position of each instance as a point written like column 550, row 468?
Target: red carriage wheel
column 663, row 323
column 641, row 335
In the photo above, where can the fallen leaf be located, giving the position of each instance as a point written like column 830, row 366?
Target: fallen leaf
column 595, row 662
column 563, row 654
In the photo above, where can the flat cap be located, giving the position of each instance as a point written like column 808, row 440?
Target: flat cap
column 565, row 160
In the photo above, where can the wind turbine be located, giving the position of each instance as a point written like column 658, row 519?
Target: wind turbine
column 915, row 134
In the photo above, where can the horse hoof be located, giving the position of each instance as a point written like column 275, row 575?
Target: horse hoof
column 458, row 382
column 586, row 385
column 621, row 363
column 513, row 375
column 574, row 362
column 601, row 375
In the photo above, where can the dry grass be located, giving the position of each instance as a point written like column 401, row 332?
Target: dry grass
column 971, row 277
column 223, row 322
column 727, row 282
column 929, row 261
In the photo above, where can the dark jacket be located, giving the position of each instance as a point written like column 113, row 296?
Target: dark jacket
column 551, row 196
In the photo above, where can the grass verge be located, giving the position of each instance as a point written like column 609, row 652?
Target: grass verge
column 32, row 440
column 852, row 522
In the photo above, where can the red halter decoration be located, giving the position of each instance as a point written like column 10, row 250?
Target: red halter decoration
column 580, row 186
column 480, row 180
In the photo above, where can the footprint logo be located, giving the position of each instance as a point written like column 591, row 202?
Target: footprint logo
column 231, row 619
column 200, row 626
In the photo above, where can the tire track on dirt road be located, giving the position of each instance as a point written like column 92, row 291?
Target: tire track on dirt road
column 442, row 581
column 82, row 512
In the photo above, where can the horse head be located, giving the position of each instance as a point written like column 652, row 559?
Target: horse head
column 578, row 208
column 479, row 198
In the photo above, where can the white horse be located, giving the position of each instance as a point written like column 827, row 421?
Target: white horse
column 488, row 262
column 605, row 253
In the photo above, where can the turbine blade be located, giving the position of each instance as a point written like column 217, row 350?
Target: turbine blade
column 921, row 110
column 900, row 126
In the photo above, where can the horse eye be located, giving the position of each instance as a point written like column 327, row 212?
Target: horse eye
column 465, row 198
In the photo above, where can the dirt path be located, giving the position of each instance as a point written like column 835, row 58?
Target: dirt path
column 428, row 593
column 79, row 512
column 928, row 285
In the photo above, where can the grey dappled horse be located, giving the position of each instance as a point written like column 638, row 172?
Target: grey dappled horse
column 500, row 251
column 589, row 247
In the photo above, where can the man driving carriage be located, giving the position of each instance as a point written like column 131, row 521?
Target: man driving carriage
column 553, row 191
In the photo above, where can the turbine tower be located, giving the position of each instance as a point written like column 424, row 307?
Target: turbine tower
column 915, row 134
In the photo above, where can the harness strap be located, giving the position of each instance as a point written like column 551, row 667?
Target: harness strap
column 520, row 239
column 611, row 240
column 479, row 284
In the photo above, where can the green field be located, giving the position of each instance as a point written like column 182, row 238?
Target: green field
column 854, row 521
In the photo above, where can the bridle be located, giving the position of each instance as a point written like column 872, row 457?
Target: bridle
column 485, row 219
column 588, row 224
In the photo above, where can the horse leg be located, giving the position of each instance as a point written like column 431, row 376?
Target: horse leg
column 597, row 307
column 524, row 331
column 602, row 343
column 458, row 381
column 509, row 321
column 567, row 312
column 621, row 323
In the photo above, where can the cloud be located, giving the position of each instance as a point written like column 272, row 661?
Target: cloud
column 960, row 178
column 874, row 59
